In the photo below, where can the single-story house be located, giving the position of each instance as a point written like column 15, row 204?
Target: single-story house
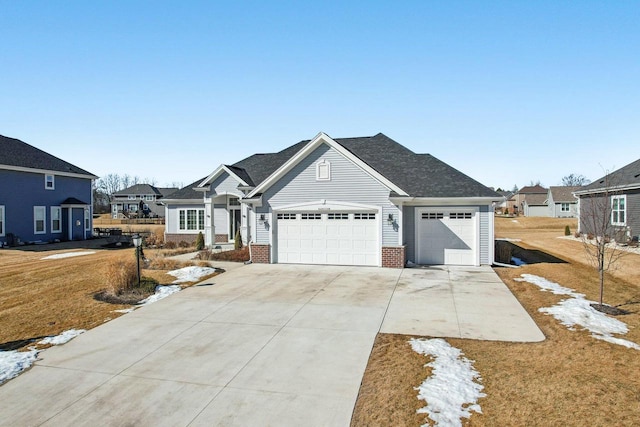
column 614, row 200
column 140, row 200
column 517, row 202
column 561, row 202
column 535, row 205
column 42, row 198
column 346, row 201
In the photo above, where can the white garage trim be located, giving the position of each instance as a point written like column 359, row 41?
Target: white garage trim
column 449, row 227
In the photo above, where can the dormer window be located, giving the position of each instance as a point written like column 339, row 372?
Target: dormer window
column 323, row 171
column 49, row 182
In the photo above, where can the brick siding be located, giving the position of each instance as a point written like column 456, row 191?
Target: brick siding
column 260, row 253
column 189, row 238
column 221, row 238
column 393, row 256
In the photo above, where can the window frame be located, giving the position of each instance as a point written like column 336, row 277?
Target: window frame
column 563, row 205
column 46, row 181
column 57, row 209
column 616, row 211
column 183, row 220
column 149, row 198
column 43, row 210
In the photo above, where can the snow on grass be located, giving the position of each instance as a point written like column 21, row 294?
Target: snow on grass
column 63, row 338
column 68, row 255
column 577, row 311
column 191, row 274
column 452, row 391
column 12, row 363
column 161, row 293
column 124, row 310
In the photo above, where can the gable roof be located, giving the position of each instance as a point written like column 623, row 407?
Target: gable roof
column 145, row 189
column 533, row 189
column 627, row 177
column 415, row 175
column 18, row 155
column 563, row 194
column 536, row 200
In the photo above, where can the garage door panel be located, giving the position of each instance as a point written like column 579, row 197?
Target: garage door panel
column 327, row 239
column 446, row 237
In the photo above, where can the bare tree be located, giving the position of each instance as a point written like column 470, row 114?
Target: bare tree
column 109, row 184
column 150, row 181
column 602, row 215
column 575, row 180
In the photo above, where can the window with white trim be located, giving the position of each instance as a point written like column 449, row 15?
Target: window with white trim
column 87, row 219
column 364, row 216
column 234, row 201
column 130, row 197
column 39, row 219
column 432, row 215
column 56, row 219
column 49, row 182
column 311, row 216
column 564, row 207
column 149, row 197
column 287, row 216
column 2, row 220
column 619, row 210
column 323, row 171
column 337, row 216
column 191, row 219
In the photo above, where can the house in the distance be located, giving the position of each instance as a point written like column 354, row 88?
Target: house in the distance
column 535, row 205
column 561, row 202
column 42, row 198
column 613, row 200
column 531, row 192
column 346, row 201
column 139, row 201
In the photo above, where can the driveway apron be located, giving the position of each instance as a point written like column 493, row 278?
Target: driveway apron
column 268, row 345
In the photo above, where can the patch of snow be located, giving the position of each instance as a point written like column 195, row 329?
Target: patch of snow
column 63, row 338
column 515, row 220
column 577, row 311
column 191, row 274
column 517, row 261
column 452, row 391
column 12, row 363
column 68, row 255
column 161, row 293
column 124, row 310
column 508, row 239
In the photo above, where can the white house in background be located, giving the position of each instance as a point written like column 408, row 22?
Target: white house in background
column 562, row 203
column 346, row 201
column 139, row 200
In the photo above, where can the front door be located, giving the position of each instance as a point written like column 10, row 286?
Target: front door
column 235, row 218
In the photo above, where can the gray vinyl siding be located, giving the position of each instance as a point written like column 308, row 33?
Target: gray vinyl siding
column 409, row 222
column 557, row 211
column 484, row 222
column 225, row 184
column 262, row 230
column 348, row 183
column 171, row 221
column 633, row 212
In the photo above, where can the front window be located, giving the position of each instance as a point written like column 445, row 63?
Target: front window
column 131, row 197
column 87, row 220
column 619, row 210
column 148, row 197
column 1, row 220
column 56, row 219
column 564, row 207
column 49, row 182
column 191, row 219
column 39, row 218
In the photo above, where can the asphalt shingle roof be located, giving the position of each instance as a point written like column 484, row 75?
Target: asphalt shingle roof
column 187, row 192
column 563, row 194
column 145, row 189
column 536, row 199
column 14, row 152
column 626, row 175
column 533, row 189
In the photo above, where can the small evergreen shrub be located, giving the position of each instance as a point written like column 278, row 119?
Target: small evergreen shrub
column 200, row 242
column 238, row 241
column 567, row 230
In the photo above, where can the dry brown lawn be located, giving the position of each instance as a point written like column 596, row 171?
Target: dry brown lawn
column 41, row 297
column 570, row 379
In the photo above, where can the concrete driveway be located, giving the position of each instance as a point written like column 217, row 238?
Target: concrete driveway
column 280, row 345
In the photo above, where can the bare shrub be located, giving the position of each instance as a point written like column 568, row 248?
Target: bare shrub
column 184, row 244
column 121, row 275
column 170, row 245
column 155, row 238
column 577, row 234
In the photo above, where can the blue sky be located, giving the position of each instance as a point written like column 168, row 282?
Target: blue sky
column 507, row 92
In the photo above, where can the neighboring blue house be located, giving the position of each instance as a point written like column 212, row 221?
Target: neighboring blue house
column 346, row 201
column 42, row 198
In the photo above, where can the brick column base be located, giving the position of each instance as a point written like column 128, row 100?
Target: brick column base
column 177, row 238
column 393, row 256
column 260, row 253
column 221, row 238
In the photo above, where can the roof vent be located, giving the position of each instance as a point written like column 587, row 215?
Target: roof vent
column 635, row 176
column 602, row 182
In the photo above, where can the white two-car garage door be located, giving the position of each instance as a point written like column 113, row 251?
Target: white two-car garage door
column 340, row 238
column 446, row 236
